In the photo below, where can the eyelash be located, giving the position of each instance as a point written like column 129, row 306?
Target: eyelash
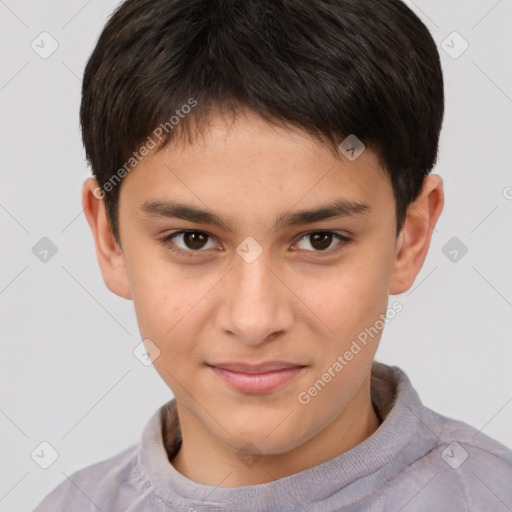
column 167, row 241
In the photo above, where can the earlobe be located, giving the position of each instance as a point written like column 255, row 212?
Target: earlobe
column 414, row 239
column 110, row 256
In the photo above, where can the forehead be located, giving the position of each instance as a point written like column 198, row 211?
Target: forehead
column 249, row 165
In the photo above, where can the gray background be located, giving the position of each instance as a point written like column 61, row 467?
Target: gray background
column 69, row 376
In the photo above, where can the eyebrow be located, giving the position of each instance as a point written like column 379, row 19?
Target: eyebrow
column 335, row 209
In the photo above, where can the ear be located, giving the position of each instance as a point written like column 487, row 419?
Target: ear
column 110, row 256
column 414, row 239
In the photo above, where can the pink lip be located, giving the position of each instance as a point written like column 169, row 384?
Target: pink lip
column 256, row 378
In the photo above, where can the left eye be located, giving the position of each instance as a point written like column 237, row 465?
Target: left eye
column 321, row 240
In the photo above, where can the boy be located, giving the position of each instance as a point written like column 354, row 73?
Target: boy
column 262, row 185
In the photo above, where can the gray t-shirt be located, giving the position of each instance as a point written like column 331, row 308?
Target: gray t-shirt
column 417, row 460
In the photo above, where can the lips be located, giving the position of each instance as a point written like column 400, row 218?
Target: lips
column 261, row 378
column 259, row 368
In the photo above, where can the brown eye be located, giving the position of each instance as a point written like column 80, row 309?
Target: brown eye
column 321, row 241
column 194, row 239
column 187, row 242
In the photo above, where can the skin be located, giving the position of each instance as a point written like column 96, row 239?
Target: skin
column 295, row 302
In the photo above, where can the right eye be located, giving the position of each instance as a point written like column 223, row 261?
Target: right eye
column 189, row 241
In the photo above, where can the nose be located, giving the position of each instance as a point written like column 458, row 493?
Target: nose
column 255, row 306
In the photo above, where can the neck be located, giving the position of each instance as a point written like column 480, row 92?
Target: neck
column 208, row 461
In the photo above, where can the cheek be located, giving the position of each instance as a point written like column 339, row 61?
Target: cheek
column 167, row 316
column 160, row 297
column 165, row 313
column 347, row 299
column 170, row 310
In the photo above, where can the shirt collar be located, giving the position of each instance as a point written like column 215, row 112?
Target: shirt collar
column 407, row 432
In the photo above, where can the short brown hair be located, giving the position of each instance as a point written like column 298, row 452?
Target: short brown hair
column 331, row 67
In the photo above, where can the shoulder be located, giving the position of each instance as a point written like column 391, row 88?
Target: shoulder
column 482, row 465
column 465, row 470
column 98, row 483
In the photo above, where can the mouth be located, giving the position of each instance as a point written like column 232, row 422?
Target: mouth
column 261, row 378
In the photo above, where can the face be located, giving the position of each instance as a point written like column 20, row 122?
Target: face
column 249, row 313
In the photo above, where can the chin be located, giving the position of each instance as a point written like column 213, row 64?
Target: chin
column 262, row 438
